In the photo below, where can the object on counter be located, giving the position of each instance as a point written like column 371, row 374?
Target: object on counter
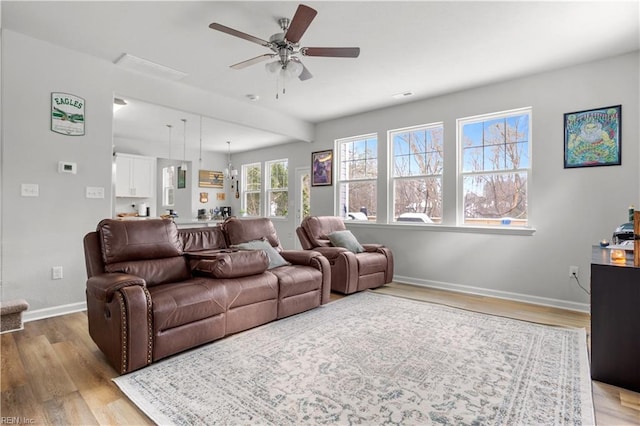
column 142, row 209
column 618, row 256
column 604, row 243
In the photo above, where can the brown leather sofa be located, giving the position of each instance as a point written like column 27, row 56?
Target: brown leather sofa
column 153, row 290
column 350, row 272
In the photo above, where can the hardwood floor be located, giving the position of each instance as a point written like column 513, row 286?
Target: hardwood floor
column 52, row 372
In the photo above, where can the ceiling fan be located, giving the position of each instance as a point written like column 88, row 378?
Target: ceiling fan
column 285, row 45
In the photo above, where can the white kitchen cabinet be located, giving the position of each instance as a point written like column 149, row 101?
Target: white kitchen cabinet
column 134, row 176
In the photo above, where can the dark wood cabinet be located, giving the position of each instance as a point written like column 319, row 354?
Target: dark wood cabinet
column 615, row 322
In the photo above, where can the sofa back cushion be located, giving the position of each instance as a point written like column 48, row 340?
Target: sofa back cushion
column 318, row 229
column 149, row 249
column 238, row 231
column 199, row 239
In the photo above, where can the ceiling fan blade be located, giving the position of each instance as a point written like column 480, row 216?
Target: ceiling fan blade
column 305, row 74
column 252, row 61
column 240, row 34
column 300, row 22
column 332, row 52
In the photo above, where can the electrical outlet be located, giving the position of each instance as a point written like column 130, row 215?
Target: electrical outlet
column 56, row 272
column 573, row 271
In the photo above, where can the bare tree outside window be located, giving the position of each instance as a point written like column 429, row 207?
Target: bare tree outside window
column 417, row 173
column 278, row 190
column 252, row 178
column 358, row 174
column 495, row 166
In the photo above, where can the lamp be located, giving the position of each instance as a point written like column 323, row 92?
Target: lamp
column 184, row 146
column 618, row 256
column 118, row 104
column 284, row 68
column 230, row 172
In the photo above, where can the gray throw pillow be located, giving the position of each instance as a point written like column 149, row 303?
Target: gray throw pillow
column 275, row 259
column 346, row 240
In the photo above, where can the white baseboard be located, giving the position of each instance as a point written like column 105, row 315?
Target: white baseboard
column 54, row 311
column 518, row 297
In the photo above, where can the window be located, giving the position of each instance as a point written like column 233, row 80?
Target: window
column 252, row 188
column 168, row 187
column 278, row 188
column 358, row 174
column 494, row 168
column 416, row 173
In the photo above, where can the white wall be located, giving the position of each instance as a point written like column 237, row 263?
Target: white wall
column 39, row 233
column 571, row 209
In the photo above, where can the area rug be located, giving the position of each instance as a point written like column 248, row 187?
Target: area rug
column 375, row 359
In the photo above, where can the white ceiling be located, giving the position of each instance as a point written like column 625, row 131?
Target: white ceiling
column 426, row 47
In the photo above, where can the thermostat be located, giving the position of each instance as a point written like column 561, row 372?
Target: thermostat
column 66, row 167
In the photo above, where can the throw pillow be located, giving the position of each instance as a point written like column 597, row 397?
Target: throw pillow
column 275, row 259
column 346, row 240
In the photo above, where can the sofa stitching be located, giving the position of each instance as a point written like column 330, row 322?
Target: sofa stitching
column 123, row 322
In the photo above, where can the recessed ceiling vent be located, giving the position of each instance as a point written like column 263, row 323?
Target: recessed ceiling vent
column 143, row 66
column 402, row 95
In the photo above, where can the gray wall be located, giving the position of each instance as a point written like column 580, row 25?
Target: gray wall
column 570, row 209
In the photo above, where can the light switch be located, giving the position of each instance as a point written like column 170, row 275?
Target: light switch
column 95, row 192
column 30, row 190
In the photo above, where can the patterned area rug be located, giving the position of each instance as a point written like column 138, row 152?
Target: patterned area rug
column 375, row 359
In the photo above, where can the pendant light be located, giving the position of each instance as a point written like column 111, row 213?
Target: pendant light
column 230, row 172
column 169, row 126
column 200, row 154
column 184, row 145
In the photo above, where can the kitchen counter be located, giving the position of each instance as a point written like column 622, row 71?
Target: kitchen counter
column 196, row 223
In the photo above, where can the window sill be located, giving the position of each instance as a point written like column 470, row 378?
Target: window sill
column 500, row 230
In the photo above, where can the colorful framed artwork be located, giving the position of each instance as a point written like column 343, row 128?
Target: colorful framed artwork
column 210, row 179
column 322, row 168
column 593, row 137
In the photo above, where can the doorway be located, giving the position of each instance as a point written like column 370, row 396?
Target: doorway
column 303, row 199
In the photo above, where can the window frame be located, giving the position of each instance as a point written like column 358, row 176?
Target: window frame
column 268, row 190
column 340, row 181
column 461, row 174
column 246, row 191
column 391, row 193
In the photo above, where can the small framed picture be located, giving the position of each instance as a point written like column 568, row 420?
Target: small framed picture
column 593, row 137
column 182, row 178
column 322, row 168
column 210, row 179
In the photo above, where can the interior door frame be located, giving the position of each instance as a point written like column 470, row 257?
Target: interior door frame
column 300, row 173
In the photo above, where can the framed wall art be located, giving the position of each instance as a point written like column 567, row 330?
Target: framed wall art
column 322, row 168
column 210, row 179
column 182, row 178
column 67, row 114
column 593, row 137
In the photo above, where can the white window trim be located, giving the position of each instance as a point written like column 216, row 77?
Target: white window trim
column 243, row 201
column 390, row 172
column 338, row 163
column 460, row 122
column 268, row 190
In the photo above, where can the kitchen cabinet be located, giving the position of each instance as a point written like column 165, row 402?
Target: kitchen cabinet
column 134, row 176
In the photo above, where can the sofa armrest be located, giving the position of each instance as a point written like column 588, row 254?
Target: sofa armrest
column 103, row 286
column 371, row 247
column 330, row 253
column 316, row 260
column 299, row 257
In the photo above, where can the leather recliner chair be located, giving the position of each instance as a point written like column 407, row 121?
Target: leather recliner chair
column 350, row 272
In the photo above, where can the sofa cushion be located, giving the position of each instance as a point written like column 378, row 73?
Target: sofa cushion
column 198, row 239
column 233, row 265
column 127, row 240
column 371, row 262
column 275, row 259
column 297, row 279
column 318, row 228
column 345, row 239
column 239, row 231
column 181, row 303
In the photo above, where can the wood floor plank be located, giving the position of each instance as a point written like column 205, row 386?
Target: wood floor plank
column 46, row 374
column 65, row 379
column 11, row 367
